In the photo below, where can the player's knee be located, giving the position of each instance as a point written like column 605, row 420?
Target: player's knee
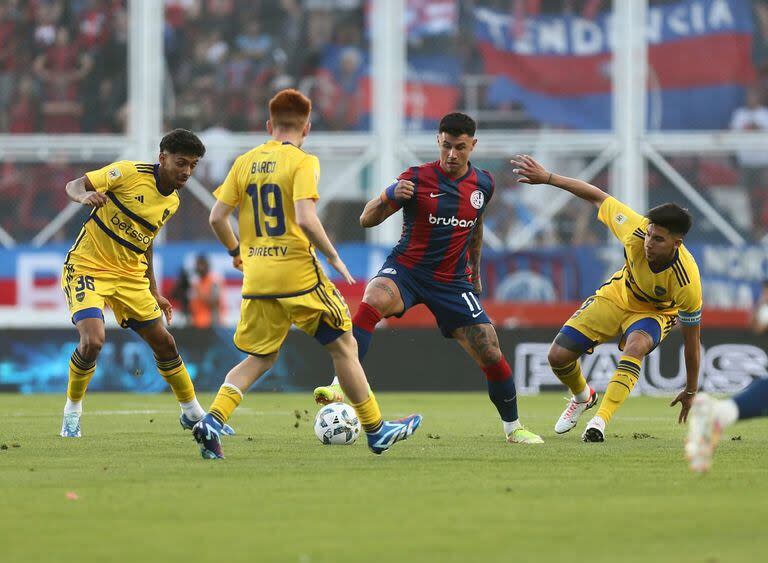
column 90, row 346
column 559, row 356
column 379, row 301
column 344, row 347
column 490, row 356
column 164, row 346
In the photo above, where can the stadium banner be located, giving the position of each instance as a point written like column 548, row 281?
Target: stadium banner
column 558, row 67
column 35, row 361
column 732, row 276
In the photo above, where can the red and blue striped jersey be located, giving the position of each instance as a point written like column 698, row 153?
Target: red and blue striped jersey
column 439, row 219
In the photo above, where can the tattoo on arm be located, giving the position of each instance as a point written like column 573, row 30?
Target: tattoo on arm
column 476, row 247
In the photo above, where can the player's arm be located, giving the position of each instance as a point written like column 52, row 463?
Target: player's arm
column 222, row 228
column 380, row 208
column 475, row 251
column 162, row 302
column 309, row 222
column 692, row 355
column 534, row 173
column 82, row 191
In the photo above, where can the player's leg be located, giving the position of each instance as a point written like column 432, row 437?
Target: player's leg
column 482, row 344
column 324, row 314
column 710, row 416
column 597, row 320
column 260, row 333
column 85, row 302
column 171, row 367
column 640, row 338
column 382, row 299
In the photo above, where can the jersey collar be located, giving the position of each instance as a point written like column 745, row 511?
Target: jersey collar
column 448, row 178
column 674, row 259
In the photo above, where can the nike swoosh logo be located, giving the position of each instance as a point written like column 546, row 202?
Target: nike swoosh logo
column 436, row 195
column 475, row 315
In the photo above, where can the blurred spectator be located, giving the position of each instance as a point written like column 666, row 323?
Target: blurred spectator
column 76, row 52
column 753, row 163
column 206, row 303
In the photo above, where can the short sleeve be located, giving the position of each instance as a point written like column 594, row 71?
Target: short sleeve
column 231, row 190
column 621, row 219
column 105, row 179
column 305, row 179
column 689, row 302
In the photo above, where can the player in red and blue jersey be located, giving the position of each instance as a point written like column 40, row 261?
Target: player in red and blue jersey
column 437, row 263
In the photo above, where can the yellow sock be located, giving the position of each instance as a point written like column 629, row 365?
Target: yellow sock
column 571, row 376
column 175, row 374
column 226, row 401
column 80, row 373
column 619, row 387
column 369, row 413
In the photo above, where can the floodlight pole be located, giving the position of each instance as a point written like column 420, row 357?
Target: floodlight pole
column 629, row 77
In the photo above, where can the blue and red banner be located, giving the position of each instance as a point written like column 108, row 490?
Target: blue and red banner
column 558, row 68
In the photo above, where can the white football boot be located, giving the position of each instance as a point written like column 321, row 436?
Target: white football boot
column 706, row 421
column 595, row 431
column 573, row 412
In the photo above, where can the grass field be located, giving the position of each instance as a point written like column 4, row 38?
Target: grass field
column 453, row 492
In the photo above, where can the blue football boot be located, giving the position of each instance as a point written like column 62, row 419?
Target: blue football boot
column 187, row 424
column 207, row 434
column 392, row 431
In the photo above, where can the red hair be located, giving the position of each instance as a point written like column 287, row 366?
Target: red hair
column 289, row 109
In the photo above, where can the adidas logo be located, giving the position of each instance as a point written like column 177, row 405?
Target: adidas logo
column 139, row 198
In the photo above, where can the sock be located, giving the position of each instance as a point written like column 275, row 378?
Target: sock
column 73, row 406
column 510, row 427
column 225, row 403
column 192, row 409
column 570, row 375
column 753, row 401
column 80, row 373
column 175, row 374
column 369, row 414
column 335, row 381
column 501, row 389
column 363, row 323
column 619, row 387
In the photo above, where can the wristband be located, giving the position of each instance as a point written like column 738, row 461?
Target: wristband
column 389, row 193
column 690, row 392
column 235, row 251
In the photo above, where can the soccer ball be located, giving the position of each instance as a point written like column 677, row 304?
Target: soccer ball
column 337, row 424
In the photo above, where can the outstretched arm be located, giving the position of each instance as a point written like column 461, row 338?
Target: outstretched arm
column 219, row 221
column 534, row 173
column 380, row 208
column 475, row 251
column 692, row 354
column 307, row 219
column 162, row 302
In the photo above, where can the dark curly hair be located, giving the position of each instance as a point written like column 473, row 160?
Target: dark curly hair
column 675, row 219
column 457, row 124
column 181, row 141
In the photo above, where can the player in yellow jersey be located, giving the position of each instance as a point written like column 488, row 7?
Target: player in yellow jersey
column 111, row 263
column 274, row 186
column 658, row 285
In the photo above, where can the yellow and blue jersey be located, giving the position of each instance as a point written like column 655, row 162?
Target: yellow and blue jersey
column 278, row 259
column 676, row 289
column 116, row 236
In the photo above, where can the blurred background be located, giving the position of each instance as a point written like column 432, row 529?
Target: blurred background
column 652, row 100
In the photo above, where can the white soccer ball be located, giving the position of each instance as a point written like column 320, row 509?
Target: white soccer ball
column 337, row 424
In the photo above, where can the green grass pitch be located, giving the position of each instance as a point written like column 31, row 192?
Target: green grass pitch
column 454, row 492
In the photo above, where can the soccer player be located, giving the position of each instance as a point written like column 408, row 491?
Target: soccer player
column 710, row 416
column 658, row 284
column 275, row 188
column 437, row 262
column 111, row 263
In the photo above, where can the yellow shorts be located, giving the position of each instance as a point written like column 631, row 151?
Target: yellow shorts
column 599, row 320
column 264, row 323
column 129, row 298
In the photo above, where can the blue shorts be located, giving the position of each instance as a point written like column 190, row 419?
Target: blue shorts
column 454, row 305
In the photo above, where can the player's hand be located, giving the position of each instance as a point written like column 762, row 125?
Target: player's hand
column 686, row 401
column 165, row 307
column 237, row 263
column 404, row 190
column 341, row 267
column 531, row 172
column 94, row 199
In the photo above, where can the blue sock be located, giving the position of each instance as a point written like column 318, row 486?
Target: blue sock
column 753, row 401
column 363, row 338
column 501, row 389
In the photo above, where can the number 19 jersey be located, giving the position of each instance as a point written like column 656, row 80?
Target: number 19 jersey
column 278, row 259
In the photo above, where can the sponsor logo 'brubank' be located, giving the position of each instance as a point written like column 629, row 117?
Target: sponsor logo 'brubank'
column 451, row 221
